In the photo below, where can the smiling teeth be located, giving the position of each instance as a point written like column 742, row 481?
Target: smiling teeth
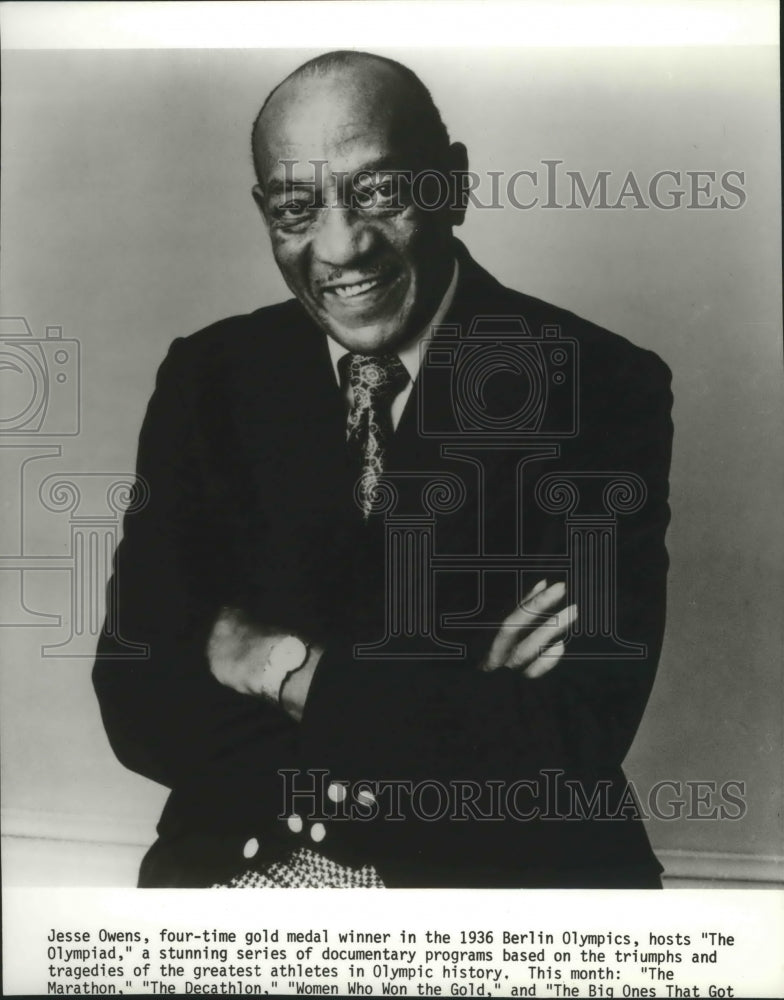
column 349, row 291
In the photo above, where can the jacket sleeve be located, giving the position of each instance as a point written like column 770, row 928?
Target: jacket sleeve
column 167, row 718
column 430, row 720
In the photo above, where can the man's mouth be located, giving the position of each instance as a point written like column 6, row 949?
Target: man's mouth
column 349, row 291
column 364, row 290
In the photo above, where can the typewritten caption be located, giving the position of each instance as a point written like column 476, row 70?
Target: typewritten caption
column 382, row 963
column 583, row 954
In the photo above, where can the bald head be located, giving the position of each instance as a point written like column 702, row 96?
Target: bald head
column 369, row 86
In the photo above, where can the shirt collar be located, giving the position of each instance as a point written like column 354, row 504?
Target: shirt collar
column 410, row 355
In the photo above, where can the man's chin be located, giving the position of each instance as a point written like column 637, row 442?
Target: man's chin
column 375, row 338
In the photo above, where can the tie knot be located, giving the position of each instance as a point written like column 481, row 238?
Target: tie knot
column 376, row 377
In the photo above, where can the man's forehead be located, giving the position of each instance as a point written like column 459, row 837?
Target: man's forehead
column 333, row 119
column 332, row 140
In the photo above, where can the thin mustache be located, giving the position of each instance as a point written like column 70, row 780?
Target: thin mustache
column 338, row 274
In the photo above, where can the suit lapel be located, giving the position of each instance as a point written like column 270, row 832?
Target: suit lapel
column 429, row 430
column 430, row 409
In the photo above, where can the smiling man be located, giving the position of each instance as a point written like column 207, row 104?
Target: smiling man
column 381, row 652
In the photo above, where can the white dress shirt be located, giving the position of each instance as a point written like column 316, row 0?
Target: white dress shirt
column 410, row 355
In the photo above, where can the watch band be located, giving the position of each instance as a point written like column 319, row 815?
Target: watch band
column 283, row 683
column 287, row 656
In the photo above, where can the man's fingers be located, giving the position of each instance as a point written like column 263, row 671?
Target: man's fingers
column 544, row 663
column 536, row 589
column 529, row 649
column 537, row 602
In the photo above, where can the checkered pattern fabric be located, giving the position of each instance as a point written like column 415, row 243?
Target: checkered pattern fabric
column 306, row 869
column 374, row 381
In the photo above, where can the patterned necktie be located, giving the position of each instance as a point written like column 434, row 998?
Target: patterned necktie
column 375, row 380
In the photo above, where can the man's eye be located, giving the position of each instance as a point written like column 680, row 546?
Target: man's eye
column 382, row 195
column 292, row 211
column 293, row 214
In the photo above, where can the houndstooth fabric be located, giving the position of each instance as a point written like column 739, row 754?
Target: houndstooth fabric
column 306, row 869
column 374, row 381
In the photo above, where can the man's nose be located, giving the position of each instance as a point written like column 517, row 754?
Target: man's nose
column 342, row 237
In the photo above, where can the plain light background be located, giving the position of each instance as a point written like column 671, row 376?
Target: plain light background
column 127, row 220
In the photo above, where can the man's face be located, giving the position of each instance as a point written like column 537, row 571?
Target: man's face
column 368, row 264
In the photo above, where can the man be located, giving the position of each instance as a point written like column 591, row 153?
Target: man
column 366, row 508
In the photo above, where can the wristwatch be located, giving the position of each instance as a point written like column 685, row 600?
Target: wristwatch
column 284, row 659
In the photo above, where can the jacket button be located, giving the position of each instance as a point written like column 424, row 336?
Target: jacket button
column 336, row 792
column 295, row 823
column 251, row 848
column 365, row 796
column 318, row 832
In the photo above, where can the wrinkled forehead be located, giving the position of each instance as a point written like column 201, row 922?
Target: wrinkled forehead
column 344, row 122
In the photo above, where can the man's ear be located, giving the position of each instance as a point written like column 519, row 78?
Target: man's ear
column 261, row 203
column 457, row 166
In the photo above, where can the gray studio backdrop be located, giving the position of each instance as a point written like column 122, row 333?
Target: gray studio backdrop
column 127, row 221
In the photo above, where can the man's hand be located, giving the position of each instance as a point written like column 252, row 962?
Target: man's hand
column 238, row 651
column 521, row 640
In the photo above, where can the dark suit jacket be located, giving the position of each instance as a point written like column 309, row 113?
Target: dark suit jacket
column 251, row 504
